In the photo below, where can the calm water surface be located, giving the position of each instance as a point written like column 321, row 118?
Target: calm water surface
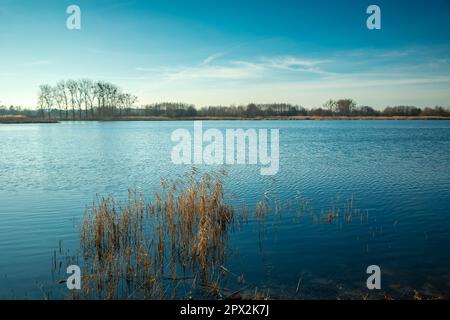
column 398, row 170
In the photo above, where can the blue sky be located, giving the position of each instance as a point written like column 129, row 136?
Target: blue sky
column 231, row 52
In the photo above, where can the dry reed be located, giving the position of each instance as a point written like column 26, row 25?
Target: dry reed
column 139, row 249
column 176, row 245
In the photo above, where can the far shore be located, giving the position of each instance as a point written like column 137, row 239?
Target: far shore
column 25, row 120
column 150, row 118
column 31, row 120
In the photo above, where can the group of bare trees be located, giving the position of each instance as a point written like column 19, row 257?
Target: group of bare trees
column 84, row 99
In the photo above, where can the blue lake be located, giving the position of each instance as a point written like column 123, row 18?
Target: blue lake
column 399, row 171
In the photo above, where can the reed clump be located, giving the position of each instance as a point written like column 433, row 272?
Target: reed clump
column 144, row 249
column 174, row 245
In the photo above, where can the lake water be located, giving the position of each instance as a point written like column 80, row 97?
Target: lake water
column 397, row 170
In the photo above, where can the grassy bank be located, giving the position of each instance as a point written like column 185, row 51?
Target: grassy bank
column 152, row 118
column 22, row 119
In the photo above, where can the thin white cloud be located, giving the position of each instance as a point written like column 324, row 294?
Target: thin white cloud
column 232, row 71
column 212, row 57
column 397, row 53
column 307, row 81
column 291, row 62
column 238, row 69
column 288, row 68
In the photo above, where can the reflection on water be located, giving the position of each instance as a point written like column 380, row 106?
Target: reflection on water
column 397, row 170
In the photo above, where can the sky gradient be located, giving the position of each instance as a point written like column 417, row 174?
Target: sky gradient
column 231, row 52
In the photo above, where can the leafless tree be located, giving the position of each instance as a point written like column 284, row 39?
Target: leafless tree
column 72, row 86
column 102, row 96
column 79, row 98
column 45, row 98
column 61, row 92
column 89, row 92
column 58, row 99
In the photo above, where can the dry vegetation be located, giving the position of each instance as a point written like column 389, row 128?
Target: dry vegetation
column 23, row 119
column 175, row 246
column 147, row 250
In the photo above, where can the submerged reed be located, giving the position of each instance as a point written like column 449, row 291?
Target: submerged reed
column 175, row 246
column 140, row 249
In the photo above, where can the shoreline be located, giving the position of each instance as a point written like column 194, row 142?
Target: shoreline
column 27, row 121
column 299, row 118
column 19, row 120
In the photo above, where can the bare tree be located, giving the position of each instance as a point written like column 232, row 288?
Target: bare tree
column 121, row 102
column 345, row 107
column 72, row 86
column 330, row 105
column 102, row 96
column 79, row 99
column 130, row 100
column 62, row 95
column 45, row 98
column 112, row 93
column 126, row 101
column 100, row 93
column 58, row 99
column 89, row 93
column 41, row 102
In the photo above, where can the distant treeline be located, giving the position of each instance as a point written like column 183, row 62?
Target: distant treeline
column 95, row 100
column 342, row 107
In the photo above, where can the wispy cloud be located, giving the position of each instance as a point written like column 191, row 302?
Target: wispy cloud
column 420, row 64
column 397, row 53
column 238, row 69
column 295, row 64
column 291, row 62
column 232, row 71
column 212, row 57
column 371, row 77
column 38, row 63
